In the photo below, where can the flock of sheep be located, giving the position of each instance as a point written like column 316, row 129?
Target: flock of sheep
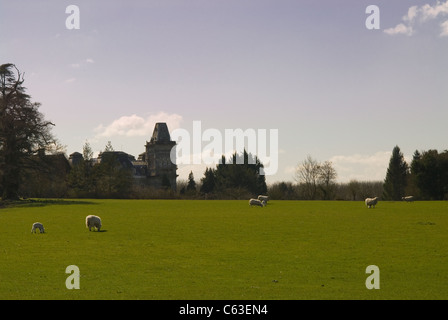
column 371, row 202
column 92, row 221
column 260, row 202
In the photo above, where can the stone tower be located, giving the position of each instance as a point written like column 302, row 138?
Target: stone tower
column 161, row 172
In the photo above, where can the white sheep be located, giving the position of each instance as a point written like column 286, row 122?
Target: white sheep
column 263, row 198
column 256, row 202
column 408, row 199
column 37, row 225
column 93, row 222
column 371, row 202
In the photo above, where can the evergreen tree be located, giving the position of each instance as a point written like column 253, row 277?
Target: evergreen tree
column 208, row 181
column 241, row 172
column 191, row 186
column 87, row 152
column 396, row 177
column 112, row 179
column 430, row 174
column 108, row 147
column 80, row 178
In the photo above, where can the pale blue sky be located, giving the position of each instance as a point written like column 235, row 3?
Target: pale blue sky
column 311, row 69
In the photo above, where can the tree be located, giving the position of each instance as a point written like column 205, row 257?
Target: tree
column 49, row 181
column 327, row 179
column 208, row 181
column 412, row 187
column 80, row 178
column 112, row 176
column 87, row 152
column 429, row 171
column 236, row 177
column 314, row 176
column 353, row 187
column 241, row 172
column 23, row 130
column 307, row 173
column 108, row 147
column 191, row 186
column 396, row 177
column 282, row 191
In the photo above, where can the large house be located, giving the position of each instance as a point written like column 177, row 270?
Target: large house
column 153, row 167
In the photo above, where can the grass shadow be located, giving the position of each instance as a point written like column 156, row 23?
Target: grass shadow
column 25, row 203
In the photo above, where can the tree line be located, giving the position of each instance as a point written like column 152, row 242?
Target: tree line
column 426, row 177
column 32, row 164
column 110, row 179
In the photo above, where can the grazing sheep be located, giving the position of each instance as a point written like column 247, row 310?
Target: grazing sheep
column 263, row 198
column 93, row 222
column 371, row 202
column 408, row 199
column 37, row 225
column 256, row 202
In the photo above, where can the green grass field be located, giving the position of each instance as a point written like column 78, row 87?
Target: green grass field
column 186, row 249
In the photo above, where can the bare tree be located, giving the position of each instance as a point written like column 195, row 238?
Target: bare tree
column 307, row 174
column 315, row 177
column 327, row 179
column 353, row 186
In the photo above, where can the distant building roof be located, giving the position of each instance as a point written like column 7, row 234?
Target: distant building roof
column 75, row 155
column 75, row 158
column 123, row 158
column 161, row 133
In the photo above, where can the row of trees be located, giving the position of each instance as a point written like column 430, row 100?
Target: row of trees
column 353, row 190
column 426, row 177
column 314, row 181
column 228, row 181
column 107, row 179
column 31, row 163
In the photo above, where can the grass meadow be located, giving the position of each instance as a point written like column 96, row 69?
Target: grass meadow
column 187, row 249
